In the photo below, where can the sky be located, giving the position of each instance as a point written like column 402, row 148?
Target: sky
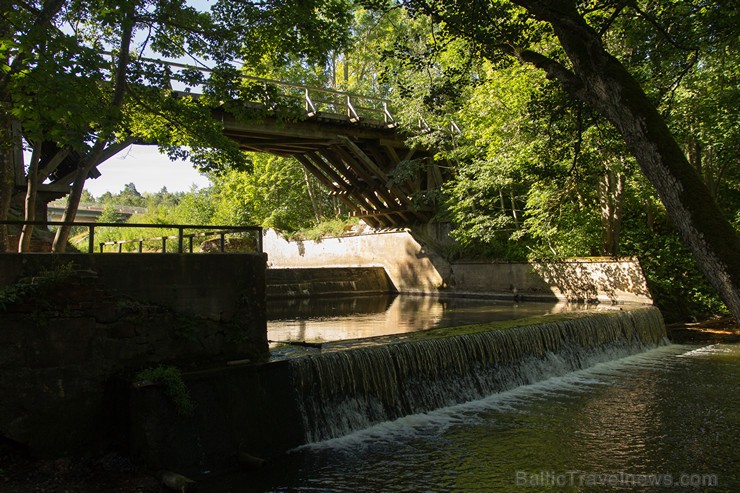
column 146, row 168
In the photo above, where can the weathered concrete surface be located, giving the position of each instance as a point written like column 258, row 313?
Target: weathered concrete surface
column 603, row 280
column 412, row 267
column 67, row 350
column 327, row 281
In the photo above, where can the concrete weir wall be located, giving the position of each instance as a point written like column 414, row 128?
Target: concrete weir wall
column 69, row 346
column 265, row 410
column 414, row 268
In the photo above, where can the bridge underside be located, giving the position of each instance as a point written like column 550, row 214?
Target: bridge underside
column 364, row 163
column 357, row 161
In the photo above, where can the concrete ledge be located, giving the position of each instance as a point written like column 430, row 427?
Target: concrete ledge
column 329, row 281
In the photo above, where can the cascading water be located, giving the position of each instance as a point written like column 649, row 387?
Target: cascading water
column 343, row 391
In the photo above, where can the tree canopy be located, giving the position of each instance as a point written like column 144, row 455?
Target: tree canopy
column 579, row 128
column 616, row 65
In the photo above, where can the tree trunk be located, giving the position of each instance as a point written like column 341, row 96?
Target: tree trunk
column 73, row 200
column 611, row 190
column 604, row 83
column 24, row 244
column 312, row 196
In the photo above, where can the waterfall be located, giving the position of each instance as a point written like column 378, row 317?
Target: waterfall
column 347, row 390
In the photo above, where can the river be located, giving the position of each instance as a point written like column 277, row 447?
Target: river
column 667, row 419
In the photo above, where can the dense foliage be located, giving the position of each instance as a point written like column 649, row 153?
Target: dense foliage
column 536, row 170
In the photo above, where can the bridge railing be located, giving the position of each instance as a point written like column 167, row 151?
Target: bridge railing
column 213, row 238
column 314, row 100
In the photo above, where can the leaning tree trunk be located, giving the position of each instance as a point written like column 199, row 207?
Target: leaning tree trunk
column 604, row 83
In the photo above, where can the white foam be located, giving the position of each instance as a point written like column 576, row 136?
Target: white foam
column 434, row 423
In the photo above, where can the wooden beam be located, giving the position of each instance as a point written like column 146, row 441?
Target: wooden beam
column 317, row 173
column 337, row 162
column 328, row 170
column 367, row 161
column 359, row 154
column 392, row 154
column 341, row 194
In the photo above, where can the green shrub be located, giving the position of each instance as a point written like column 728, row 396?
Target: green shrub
column 170, row 378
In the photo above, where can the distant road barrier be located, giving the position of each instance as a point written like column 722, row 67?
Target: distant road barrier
column 219, row 232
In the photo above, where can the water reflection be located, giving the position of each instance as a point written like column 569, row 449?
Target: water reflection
column 332, row 319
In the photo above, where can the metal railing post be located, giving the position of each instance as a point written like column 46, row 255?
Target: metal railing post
column 91, row 240
column 179, row 240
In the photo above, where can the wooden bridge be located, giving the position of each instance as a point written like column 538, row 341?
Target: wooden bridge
column 349, row 142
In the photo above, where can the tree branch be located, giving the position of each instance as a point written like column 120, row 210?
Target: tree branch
column 43, row 18
column 660, row 28
column 123, row 59
column 553, row 69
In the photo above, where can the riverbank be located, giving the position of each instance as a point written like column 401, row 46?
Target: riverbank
column 20, row 473
column 712, row 331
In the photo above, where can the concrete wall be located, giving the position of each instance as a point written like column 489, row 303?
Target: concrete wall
column 412, row 267
column 209, row 286
column 64, row 346
column 603, row 280
column 327, row 281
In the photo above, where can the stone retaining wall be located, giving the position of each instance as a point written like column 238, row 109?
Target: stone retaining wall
column 69, row 346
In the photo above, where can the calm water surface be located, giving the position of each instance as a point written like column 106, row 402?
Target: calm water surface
column 654, row 417
column 332, row 319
